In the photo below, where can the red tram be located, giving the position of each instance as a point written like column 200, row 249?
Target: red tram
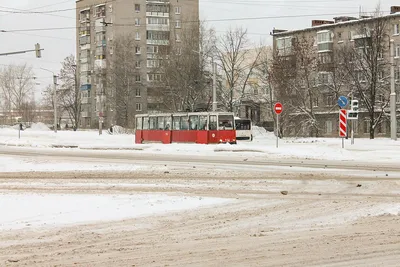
column 197, row 127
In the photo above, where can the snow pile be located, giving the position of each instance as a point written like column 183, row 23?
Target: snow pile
column 119, row 130
column 261, row 132
column 40, row 126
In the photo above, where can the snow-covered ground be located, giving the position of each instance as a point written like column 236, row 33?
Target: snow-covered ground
column 30, row 210
column 264, row 145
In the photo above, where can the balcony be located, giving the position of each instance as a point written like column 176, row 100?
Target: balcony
column 100, row 25
column 100, row 64
column 85, row 87
column 325, row 47
column 157, row 42
column 85, row 47
column 101, row 43
column 158, row 27
column 157, row 14
column 84, row 32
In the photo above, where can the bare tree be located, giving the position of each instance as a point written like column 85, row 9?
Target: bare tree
column 366, row 67
column 124, row 79
column 70, row 96
column 237, row 63
column 16, row 86
column 292, row 77
column 184, row 66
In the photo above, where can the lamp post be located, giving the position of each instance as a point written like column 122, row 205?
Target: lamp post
column 393, row 120
column 54, row 98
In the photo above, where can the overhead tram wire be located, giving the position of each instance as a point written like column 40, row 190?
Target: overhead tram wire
column 214, row 1
column 188, row 21
column 35, row 8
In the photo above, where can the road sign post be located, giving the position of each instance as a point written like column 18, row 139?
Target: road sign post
column 278, row 108
column 342, row 125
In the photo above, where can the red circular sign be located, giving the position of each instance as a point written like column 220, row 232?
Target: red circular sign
column 278, row 108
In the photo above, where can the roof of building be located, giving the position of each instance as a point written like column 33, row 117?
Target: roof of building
column 333, row 25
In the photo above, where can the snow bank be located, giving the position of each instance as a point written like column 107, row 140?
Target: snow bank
column 260, row 132
column 39, row 127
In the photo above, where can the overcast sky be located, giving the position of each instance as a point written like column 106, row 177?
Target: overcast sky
column 58, row 44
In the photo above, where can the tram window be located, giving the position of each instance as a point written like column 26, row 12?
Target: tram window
column 184, row 123
column 213, row 122
column 139, row 123
column 160, row 123
column 203, row 122
column 177, row 123
column 194, row 122
column 168, row 122
column 145, row 123
column 225, row 122
column 153, row 123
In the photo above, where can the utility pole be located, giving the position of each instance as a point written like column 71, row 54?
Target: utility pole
column 101, row 111
column 214, row 104
column 55, row 102
column 393, row 119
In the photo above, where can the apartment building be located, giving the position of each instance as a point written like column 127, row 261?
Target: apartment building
column 99, row 22
column 328, row 36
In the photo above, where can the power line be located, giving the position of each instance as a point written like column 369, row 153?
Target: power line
column 39, row 7
column 188, row 21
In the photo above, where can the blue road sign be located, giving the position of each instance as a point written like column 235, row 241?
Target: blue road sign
column 342, row 101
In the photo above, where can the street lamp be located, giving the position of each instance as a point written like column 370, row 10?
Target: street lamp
column 393, row 119
column 54, row 98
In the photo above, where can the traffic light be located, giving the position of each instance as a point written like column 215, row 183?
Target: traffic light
column 354, row 105
column 352, row 114
column 38, row 51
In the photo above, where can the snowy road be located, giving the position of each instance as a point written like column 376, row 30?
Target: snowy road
column 223, row 160
column 324, row 220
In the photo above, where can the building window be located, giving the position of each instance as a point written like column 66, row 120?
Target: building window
column 366, row 126
column 324, row 78
column 284, row 45
column 328, row 127
column 397, row 74
column 397, row 51
column 339, row 36
column 324, row 41
column 152, row 49
column 396, row 30
column 315, row 102
column 137, row 7
column 154, row 77
column 137, row 78
column 177, row 38
column 137, row 64
column 178, row 10
column 138, row 107
column 137, row 36
column 137, row 22
column 178, row 24
column 137, row 50
column 138, row 92
column 330, row 100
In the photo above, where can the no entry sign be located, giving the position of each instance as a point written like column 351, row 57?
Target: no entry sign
column 278, row 108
